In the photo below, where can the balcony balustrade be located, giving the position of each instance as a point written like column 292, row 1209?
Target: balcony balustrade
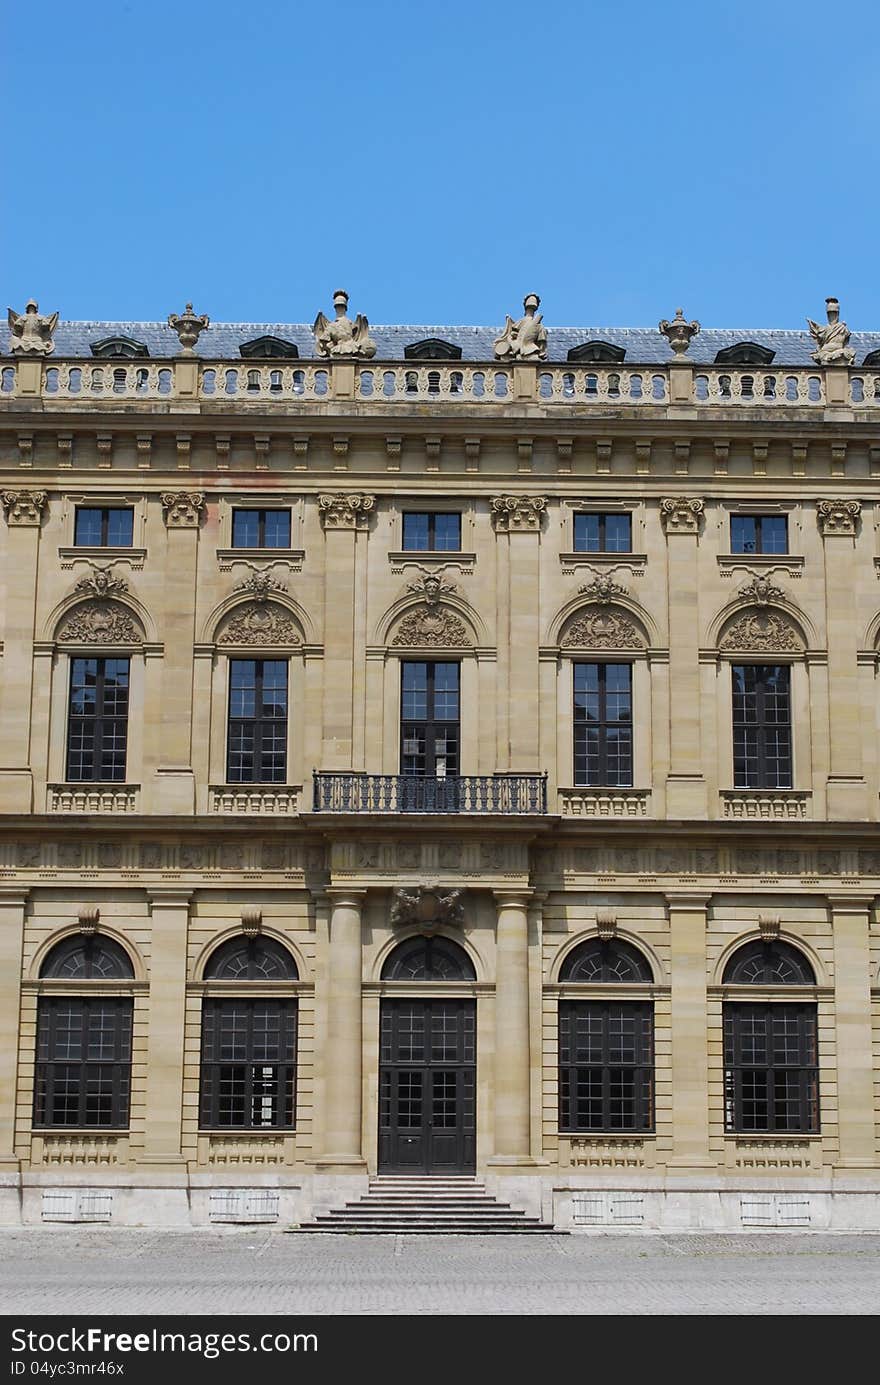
column 400, row 793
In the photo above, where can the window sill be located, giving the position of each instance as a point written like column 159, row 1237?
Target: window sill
column 601, row 802
column 89, row 554
column 792, row 561
column 636, row 562
column 419, row 557
column 266, row 799
column 292, row 557
column 92, row 796
column 766, row 803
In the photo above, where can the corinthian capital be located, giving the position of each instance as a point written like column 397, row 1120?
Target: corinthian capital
column 517, row 512
column 345, row 511
column 679, row 515
column 837, row 516
column 182, row 509
column 23, row 507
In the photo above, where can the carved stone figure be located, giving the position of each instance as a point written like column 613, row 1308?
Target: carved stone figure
column 259, row 623
column 100, row 581
column 425, row 906
column 525, row 340
column 429, row 626
column 759, row 629
column 603, row 628
column 680, row 516
column 838, row 516
column 23, row 507
column 678, row 332
column 431, row 588
column 188, row 328
column 832, row 338
column 517, row 512
column 260, row 586
column 343, row 337
column 345, row 511
column 182, row 509
column 100, row 622
column 760, row 592
column 30, row 332
column 602, row 590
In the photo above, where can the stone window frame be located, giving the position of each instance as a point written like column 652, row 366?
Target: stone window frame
column 792, row 510
column 263, row 500
column 103, row 499
column 59, row 703
column 635, row 506
column 402, row 502
column 218, row 714
column 801, row 732
column 642, row 696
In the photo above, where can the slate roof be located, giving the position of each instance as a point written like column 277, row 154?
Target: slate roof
column 644, row 345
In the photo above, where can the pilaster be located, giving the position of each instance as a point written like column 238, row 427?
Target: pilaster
column 343, row 1026
column 690, row 1047
column 24, row 511
column 175, row 783
column 686, row 793
column 850, row 917
column 847, row 795
column 169, row 909
column 512, row 1049
column 13, row 903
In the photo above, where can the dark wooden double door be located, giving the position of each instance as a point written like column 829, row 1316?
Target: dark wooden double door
column 427, row 1086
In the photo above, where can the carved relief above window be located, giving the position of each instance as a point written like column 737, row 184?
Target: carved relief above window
column 100, row 622
column 759, row 629
column 431, row 627
column 257, row 624
column 603, row 627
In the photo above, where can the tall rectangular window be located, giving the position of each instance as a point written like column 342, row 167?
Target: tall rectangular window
column 97, row 719
column 260, row 528
column 758, row 534
column 761, row 726
column 257, row 738
column 603, row 734
column 432, row 532
column 602, row 533
column 606, row 1065
column 103, row 528
column 429, row 723
column 83, row 1071
column 248, row 1076
column 771, row 1069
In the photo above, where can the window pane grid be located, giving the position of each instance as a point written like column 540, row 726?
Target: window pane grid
column 248, row 1075
column 103, row 528
column 257, row 730
column 602, row 533
column 602, row 725
column 97, row 722
column 758, row 534
column 606, row 1066
column 83, row 1069
column 432, row 532
column 260, row 528
column 430, row 727
column 761, row 726
column 771, row 1074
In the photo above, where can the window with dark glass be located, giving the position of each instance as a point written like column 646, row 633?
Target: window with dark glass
column 761, row 726
column 430, row 726
column 83, row 1068
column 431, row 532
column 771, row 1059
column 758, row 534
column 603, row 734
column 602, row 533
column 606, row 1047
column 257, row 738
column 97, row 719
column 260, row 528
column 248, row 1070
column 103, row 528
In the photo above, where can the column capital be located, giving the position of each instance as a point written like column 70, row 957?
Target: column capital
column 340, row 894
column 517, row 514
column 688, row 899
column 857, row 903
column 11, row 895
column 182, row 509
column 168, row 897
column 513, row 896
column 680, row 515
column 837, row 517
column 345, row 511
column 23, row 508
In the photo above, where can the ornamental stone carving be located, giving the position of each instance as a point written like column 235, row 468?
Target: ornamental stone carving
column 23, row 507
column 427, row 907
column 182, row 509
column 760, row 592
column 257, row 624
column 603, row 590
column 838, row 516
column 30, row 333
column 431, row 588
column 831, row 338
column 260, row 586
column 188, row 328
column 680, row 516
column 342, row 337
column 101, row 582
column 430, row 626
column 100, row 622
column 603, row 628
column 678, row 332
column 757, row 630
column 517, row 512
column 345, row 511
column 525, row 340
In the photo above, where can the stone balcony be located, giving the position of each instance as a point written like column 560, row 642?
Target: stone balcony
column 92, row 798
column 778, row 805
column 605, row 803
column 346, row 792
column 264, row 800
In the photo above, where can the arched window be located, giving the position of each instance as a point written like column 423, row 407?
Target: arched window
column 428, row 959
column 606, row 1046
column 83, row 1068
column 248, row 1075
column 771, row 1060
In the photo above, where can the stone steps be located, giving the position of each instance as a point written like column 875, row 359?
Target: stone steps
column 417, row 1205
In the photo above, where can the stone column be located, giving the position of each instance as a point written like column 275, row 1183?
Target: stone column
column 23, row 510
column 847, row 797
column 168, row 969
column 690, row 1046
column 342, row 516
column 512, row 1055
column 12, row 910
column 343, row 1054
column 686, row 786
column 517, row 519
column 175, row 784
column 850, row 917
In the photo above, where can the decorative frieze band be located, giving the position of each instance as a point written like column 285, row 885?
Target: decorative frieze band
column 678, row 515
column 517, row 512
column 837, row 516
column 23, row 507
column 342, row 511
column 182, row 509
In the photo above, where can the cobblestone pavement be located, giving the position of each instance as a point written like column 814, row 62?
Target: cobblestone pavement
column 102, row 1270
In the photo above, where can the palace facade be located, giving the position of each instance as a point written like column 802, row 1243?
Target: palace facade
column 440, row 751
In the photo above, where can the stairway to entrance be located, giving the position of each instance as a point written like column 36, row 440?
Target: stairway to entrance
column 397, row 1204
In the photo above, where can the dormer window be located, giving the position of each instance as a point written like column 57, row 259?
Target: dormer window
column 745, row 353
column 432, row 349
column 872, row 359
column 270, row 348
column 125, row 347
column 597, row 353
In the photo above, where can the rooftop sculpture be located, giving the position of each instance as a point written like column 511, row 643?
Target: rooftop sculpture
column 31, row 332
column 525, row 340
column 343, row 337
column 832, row 338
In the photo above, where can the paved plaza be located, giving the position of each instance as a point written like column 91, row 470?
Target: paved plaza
column 100, row 1270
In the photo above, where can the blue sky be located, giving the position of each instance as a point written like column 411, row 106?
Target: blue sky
column 441, row 160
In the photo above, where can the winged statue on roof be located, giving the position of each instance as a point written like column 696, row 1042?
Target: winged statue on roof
column 341, row 336
column 31, row 332
column 525, row 340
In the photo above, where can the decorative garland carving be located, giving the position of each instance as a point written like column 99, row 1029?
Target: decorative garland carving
column 100, row 622
column 260, row 586
column 760, row 629
column 23, row 507
column 603, row 590
column 603, row 628
column 760, row 592
column 259, row 623
column 837, row 516
column 517, row 512
column 101, row 582
column 431, row 626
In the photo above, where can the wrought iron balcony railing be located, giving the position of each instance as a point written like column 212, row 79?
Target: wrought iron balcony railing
column 400, row 793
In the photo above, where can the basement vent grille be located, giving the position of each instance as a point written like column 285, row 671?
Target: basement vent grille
column 775, row 1209
column 244, row 1205
column 77, row 1204
column 608, row 1209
